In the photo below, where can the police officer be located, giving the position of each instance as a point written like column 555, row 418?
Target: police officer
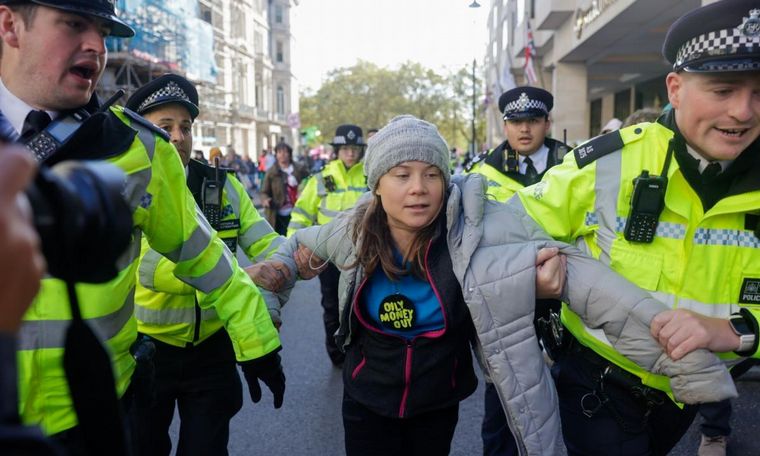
column 335, row 188
column 672, row 206
column 53, row 54
column 194, row 357
column 527, row 153
column 519, row 161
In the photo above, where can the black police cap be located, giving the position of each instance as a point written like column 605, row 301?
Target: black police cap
column 721, row 36
column 102, row 9
column 348, row 135
column 169, row 88
column 525, row 102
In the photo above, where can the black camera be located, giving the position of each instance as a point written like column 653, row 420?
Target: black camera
column 82, row 219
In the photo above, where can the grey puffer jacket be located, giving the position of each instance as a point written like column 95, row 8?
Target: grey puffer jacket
column 493, row 251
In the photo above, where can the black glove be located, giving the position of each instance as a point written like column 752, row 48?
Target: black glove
column 269, row 370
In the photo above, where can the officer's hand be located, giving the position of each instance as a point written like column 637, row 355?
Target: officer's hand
column 272, row 275
column 309, row 265
column 268, row 369
column 682, row 331
column 551, row 271
column 21, row 262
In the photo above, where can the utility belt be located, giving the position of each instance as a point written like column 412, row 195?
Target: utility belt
column 606, row 377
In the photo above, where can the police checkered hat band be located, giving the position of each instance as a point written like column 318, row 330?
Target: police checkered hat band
column 166, row 89
column 170, row 90
column 726, row 42
column 525, row 104
column 722, row 36
column 348, row 135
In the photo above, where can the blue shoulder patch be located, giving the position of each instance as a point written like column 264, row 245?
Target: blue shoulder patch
column 598, row 147
column 147, row 124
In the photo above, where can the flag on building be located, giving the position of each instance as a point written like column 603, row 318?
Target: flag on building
column 530, row 54
column 507, row 80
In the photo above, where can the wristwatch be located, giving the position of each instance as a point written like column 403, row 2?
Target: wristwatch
column 745, row 332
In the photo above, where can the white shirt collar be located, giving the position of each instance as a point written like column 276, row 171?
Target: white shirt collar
column 538, row 158
column 15, row 109
column 703, row 162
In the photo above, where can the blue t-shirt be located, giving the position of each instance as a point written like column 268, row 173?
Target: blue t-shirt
column 405, row 308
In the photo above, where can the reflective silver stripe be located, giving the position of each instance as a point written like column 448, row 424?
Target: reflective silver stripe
column 606, row 189
column 296, row 226
column 42, row 334
column 213, row 279
column 147, row 137
column 195, row 244
column 254, row 232
column 136, row 187
column 147, row 270
column 306, row 215
column 233, row 197
column 732, row 238
column 132, row 252
column 716, row 309
column 321, row 190
column 664, row 229
column 357, row 189
column 137, row 183
column 172, row 316
column 273, row 246
column 325, row 211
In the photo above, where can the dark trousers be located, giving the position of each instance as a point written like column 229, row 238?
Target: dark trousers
column 72, row 442
column 369, row 434
column 281, row 224
column 328, row 283
column 497, row 438
column 715, row 418
column 204, row 383
column 619, row 426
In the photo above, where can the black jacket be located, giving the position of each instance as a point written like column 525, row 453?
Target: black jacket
column 397, row 378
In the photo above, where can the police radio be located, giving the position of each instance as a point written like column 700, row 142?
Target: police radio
column 647, row 203
column 58, row 132
column 211, row 195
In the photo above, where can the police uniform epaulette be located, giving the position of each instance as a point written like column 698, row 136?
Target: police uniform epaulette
column 476, row 160
column 597, row 148
column 147, row 124
column 600, row 146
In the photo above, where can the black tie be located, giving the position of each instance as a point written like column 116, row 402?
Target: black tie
column 35, row 122
column 531, row 175
column 711, row 170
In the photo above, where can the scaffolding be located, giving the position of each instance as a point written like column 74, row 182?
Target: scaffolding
column 169, row 37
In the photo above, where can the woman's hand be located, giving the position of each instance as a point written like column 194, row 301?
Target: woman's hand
column 309, row 265
column 551, row 272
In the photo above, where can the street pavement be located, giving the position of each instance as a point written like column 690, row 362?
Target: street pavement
column 309, row 423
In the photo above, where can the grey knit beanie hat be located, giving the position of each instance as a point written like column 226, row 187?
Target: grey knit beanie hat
column 405, row 138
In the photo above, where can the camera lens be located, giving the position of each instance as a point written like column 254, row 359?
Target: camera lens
column 82, row 219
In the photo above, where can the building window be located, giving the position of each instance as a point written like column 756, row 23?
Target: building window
column 205, row 14
column 595, row 118
column 622, row 104
column 279, row 57
column 280, row 100
column 278, row 14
